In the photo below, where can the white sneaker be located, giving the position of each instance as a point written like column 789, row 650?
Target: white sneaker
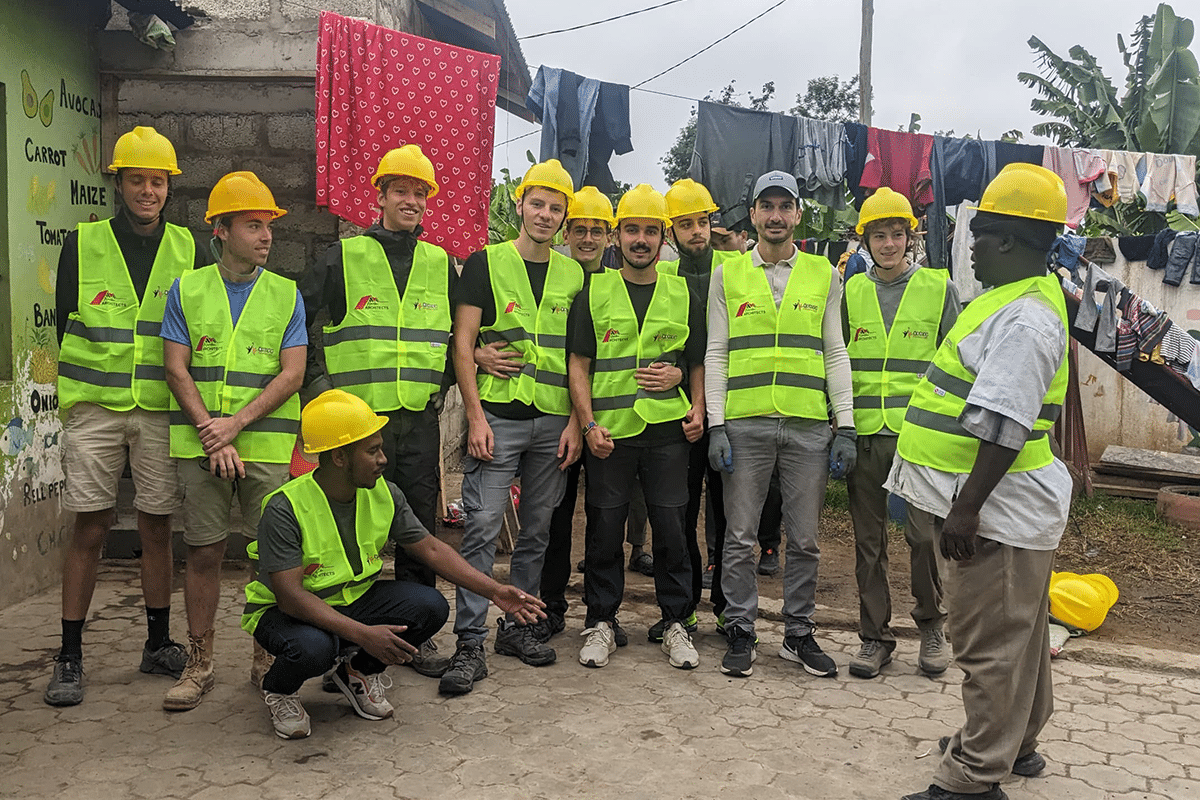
column 597, row 646
column 677, row 644
column 365, row 692
column 287, row 715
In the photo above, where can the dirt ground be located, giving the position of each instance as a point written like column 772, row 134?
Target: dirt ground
column 1160, row 586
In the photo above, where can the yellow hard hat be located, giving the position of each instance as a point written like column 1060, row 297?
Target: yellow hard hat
column 589, row 203
column 1081, row 601
column 1026, row 190
column 407, row 160
column 643, row 201
column 144, row 148
column 335, row 419
column 550, row 175
column 688, row 197
column 885, row 204
column 238, row 192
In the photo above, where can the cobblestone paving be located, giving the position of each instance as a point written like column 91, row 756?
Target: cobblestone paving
column 635, row 729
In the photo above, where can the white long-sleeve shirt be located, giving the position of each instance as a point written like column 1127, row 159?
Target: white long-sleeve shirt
column 716, row 359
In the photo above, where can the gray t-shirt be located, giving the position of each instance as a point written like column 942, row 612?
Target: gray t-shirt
column 279, row 541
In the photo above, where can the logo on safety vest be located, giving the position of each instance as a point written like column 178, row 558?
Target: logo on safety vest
column 665, row 337
column 107, row 298
column 261, row 351
column 863, row 334
column 514, row 307
column 422, row 306
column 613, row 335
column 749, row 308
column 559, row 309
column 800, row 305
column 317, row 570
column 913, row 334
column 206, row 343
column 370, row 302
column 159, row 292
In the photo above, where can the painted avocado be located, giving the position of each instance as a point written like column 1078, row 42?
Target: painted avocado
column 29, row 99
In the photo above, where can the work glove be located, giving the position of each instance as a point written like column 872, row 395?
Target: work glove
column 843, row 454
column 720, row 454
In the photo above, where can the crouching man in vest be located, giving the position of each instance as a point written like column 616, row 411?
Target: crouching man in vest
column 975, row 452
column 628, row 336
column 388, row 296
column 318, row 549
column 234, row 347
column 111, row 289
column 894, row 317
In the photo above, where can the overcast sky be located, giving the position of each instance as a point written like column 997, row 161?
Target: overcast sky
column 954, row 63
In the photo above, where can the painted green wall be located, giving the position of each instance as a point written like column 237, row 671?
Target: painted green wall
column 53, row 175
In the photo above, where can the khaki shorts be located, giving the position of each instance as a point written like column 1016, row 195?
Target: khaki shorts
column 208, row 498
column 96, row 444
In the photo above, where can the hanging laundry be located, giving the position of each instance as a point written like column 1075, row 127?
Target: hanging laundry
column 957, row 166
column 900, row 161
column 1184, row 252
column 572, row 109
column 1099, row 250
column 1104, row 188
column 1135, row 248
column 1066, row 251
column 378, row 89
column 1171, row 177
column 1077, row 168
column 1102, row 319
column 998, row 155
column 1130, row 170
column 964, row 277
column 856, row 158
column 610, row 134
column 820, row 165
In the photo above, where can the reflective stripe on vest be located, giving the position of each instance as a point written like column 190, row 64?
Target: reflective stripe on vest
column 538, row 331
column 779, row 350
column 391, row 352
column 932, row 435
column 111, row 352
column 332, row 574
column 618, row 403
column 231, row 365
column 886, row 365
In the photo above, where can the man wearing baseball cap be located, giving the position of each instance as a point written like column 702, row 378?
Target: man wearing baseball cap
column 775, row 362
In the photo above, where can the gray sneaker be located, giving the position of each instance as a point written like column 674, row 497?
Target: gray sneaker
column 170, row 659
column 428, row 661
column 934, row 656
column 871, row 657
column 466, row 666
column 66, row 684
column 522, row 641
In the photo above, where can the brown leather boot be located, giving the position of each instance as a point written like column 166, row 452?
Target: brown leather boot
column 260, row 665
column 197, row 678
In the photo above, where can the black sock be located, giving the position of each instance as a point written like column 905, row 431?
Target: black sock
column 158, row 626
column 72, row 638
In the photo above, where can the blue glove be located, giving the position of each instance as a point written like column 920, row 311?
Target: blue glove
column 720, row 454
column 843, row 454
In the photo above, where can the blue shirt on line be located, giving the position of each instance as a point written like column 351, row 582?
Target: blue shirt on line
column 174, row 324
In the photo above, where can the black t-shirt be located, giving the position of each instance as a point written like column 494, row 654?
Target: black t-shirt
column 475, row 289
column 581, row 340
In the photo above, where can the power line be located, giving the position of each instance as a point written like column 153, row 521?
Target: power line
column 597, row 22
column 515, row 138
column 714, row 44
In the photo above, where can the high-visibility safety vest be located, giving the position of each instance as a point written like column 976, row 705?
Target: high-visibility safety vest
column 329, row 572
column 618, row 403
column 886, row 365
column 776, row 355
column 232, row 365
column 111, row 351
column 389, row 351
column 538, row 331
column 932, row 435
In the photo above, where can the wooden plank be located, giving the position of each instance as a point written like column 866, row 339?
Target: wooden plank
column 1155, row 460
column 1118, row 490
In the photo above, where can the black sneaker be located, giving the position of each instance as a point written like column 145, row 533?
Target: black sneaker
column 655, row 633
column 768, row 562
column 66, row 684
column 170, row 659
column 545, row 629
column 521, row 641
column 467, row 665
column 740, row 655
column 805, row 651
column 1026, row 766
column 620, row 637
column 935, row 792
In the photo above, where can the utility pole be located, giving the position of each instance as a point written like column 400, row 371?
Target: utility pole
column 864, row 63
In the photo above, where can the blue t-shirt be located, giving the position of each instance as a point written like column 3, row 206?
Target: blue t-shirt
column 175, row 329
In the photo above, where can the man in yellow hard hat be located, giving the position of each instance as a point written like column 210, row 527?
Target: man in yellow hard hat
column 629, row 337
column 974, row 451
column 319, row 549
column 234, row 344
column 514, row 295
column 894, row 317
column 111, row 386
column 775, row 364
column 387, row 340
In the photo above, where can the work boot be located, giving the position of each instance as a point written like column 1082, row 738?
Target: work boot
column 66, row 684
column 513, row 639
column 935, row 792
column 170, row 659
column 466, row 666
column 1027, row 766
column 428, row 661
column 871, row 657
column 260, row 665
column 935, row 656
column 197, row 678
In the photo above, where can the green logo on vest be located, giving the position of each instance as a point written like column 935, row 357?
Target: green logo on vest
column 559, row 309
column 914, row 334
column 422, row 306
column 261, row 351
column 665, row 337
column 800, row 305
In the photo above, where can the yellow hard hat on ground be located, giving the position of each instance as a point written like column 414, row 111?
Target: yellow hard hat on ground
column 549, row 175
column 335, row 419
column 885, row 204
column 1026, row 190
column 238, row 192
column 1081, row 601
column 643, row 201
column 589, row 203
column 688, row 197
column 410, row 161
column 144, row 148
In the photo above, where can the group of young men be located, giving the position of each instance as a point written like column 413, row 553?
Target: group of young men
column 725, row 367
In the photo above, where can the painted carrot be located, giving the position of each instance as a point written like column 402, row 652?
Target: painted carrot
column 79, row 158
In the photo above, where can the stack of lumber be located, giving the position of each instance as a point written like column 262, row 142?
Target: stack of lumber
column 1130, row 472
